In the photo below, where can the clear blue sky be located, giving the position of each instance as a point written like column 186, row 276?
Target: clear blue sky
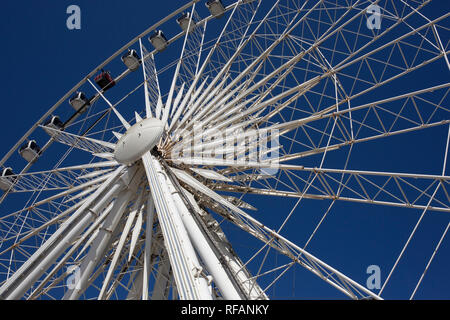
column 41, row 60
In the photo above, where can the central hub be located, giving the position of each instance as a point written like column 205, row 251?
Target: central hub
column 138, row 139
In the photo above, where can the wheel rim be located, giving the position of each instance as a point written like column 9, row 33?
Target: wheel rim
column 310, row 76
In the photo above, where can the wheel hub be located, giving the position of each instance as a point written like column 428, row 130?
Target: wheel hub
column 138, row 139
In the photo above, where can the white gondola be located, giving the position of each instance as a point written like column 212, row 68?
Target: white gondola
column 53, row 123
column 78, row 101
column 30, row 151
column 159, row 41
column 131, row 60
column 184, row 20
column 216, row 8
column 7, row 179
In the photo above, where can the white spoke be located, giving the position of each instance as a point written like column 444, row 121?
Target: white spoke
column 233, row 144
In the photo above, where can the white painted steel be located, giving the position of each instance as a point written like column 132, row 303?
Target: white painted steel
column 191, row 284
column 255, row 73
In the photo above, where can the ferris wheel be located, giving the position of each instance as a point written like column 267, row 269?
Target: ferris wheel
column 242, row 150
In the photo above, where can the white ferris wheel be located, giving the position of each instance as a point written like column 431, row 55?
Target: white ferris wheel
column 242, row 150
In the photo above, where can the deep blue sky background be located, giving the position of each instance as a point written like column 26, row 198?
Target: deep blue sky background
column 41, row 59
column 38, row 49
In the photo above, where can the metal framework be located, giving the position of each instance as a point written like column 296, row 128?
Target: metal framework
column 267, row 100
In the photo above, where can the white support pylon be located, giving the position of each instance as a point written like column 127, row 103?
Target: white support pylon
column 97, row 250
column 120, row 245
column 189, row 278
column 24, row 278
column 148, row 246
column 250, row 287
column 203, row 247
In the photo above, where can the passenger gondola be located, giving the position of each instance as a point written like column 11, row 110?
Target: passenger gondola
column 30, row 151
column 216, row 8
column 131, row 60
column 7, row 179
column 159, row 40
column 79, row 100
column 184, row 20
